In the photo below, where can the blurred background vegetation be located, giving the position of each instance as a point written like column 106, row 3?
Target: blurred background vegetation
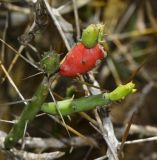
column 131, row 37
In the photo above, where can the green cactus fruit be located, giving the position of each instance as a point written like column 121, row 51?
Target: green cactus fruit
column 50, row 62
column 90, row 36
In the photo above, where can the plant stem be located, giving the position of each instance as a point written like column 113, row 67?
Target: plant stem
column 27, row 115
column 70, row 106
column 65, row 107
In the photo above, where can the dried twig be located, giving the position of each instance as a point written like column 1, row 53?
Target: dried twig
column 131, row 34
column 45, row 143
column 142, row 140
column 35, row 156
column 15, row 153
column 76, row 19
column 126, row 133
column 4, row 38
column 143, row 130
column 105, row 126
column 52, row 14
column 89, row 141
column 12, row 83
column 108, row 134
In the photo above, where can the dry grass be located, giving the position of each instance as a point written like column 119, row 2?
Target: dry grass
column 28, row 30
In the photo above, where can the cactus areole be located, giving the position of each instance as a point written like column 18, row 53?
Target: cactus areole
column 85, row 55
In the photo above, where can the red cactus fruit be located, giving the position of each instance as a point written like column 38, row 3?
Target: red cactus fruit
column 80, row 60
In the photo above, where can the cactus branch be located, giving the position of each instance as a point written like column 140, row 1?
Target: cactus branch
column 27, row 115
column 70, row 106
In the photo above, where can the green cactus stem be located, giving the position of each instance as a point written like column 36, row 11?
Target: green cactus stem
column 27, row 115
column 121, row 91
column 70, row 106
column 50, row 63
